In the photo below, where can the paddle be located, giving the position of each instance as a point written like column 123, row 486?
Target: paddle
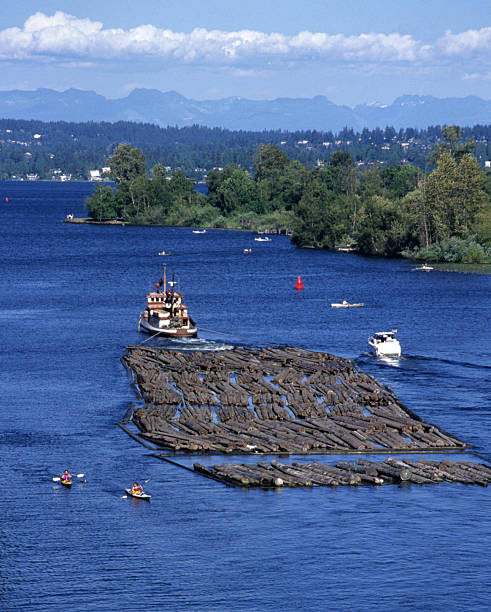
column 57, row 478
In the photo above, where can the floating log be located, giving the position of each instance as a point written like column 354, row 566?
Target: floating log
column 396, row 471
column 291, row 399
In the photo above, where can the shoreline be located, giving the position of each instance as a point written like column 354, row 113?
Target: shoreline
column 89, row 221
column 470, row 268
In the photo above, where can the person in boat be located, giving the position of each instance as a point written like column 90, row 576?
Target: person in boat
column 137, row 489
column 66, row 476
column 345, row 302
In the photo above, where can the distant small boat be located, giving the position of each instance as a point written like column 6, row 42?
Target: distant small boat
column 165, row 253
column 261, row 239
column 346, row 249
column 424, row 268
column 345, row 304
column 203, row 231
column 247, row 250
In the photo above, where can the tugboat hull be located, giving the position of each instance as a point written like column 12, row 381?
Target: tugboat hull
column 169, row 332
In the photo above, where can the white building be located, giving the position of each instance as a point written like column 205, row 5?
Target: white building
column 95, row 175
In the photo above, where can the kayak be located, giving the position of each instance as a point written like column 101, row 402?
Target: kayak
column 144, row 496
column 66, row 483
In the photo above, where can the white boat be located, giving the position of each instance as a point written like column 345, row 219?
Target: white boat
column 346, row 249
column 203, row 231
column 262, row 239
column 346, row 304
column 424, row 268
column 385, row 344
column 165, row 253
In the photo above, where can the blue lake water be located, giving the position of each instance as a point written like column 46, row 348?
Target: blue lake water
column 70, row 299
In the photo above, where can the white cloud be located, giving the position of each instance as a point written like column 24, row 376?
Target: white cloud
column 477, row 76
column 63, row 37
column 466, row 43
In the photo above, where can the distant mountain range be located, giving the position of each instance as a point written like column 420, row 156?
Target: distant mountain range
column 172, row 109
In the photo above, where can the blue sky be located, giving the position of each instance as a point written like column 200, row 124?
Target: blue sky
column 356, row 51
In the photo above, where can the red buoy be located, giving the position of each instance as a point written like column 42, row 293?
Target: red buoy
column 299, row 285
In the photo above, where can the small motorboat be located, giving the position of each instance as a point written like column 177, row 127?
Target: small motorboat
column 424, row 268
column 263, row 239
column 385, row 344
column 203, row 231
column 144, row 496
column 346, row 304
column 247, row 251
column 165, row 253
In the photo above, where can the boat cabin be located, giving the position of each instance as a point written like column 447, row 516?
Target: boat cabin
column 166, row 309
column 384, row 337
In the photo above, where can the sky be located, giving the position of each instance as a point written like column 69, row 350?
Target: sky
column 352, row 52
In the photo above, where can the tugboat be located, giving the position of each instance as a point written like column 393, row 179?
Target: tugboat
column 385, row 344
column 166, row 314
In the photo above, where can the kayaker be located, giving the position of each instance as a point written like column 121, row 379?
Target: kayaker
column 66, row 476
column 137, row 489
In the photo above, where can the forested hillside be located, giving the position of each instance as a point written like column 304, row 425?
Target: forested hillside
column 55, row 149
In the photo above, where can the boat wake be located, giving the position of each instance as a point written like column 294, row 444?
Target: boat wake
column 192, row 344
column 412, row 361
column 395, row 361
column 463, row 364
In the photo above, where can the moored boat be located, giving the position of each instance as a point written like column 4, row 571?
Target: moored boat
column 144, row 496
column 385, row 344
column 166, row 314
column 424, row 268
column 346, row 304
column 263, row 239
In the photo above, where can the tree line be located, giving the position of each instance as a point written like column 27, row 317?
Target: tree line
column 393, row 210
column 76, row 148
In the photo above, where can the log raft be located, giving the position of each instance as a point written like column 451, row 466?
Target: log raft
column 273, row 400
column 390, row 471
